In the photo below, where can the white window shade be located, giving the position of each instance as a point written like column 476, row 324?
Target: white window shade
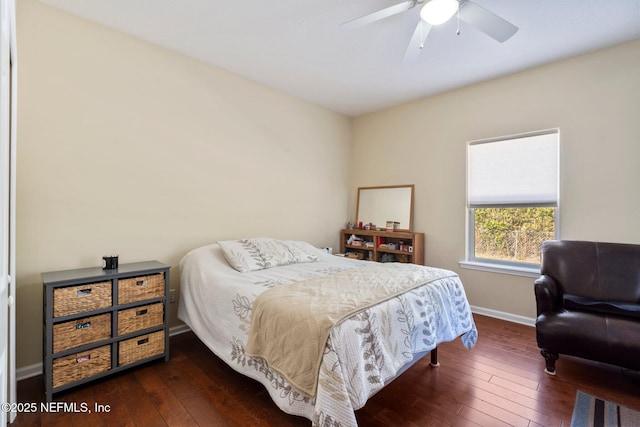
column 514, row 172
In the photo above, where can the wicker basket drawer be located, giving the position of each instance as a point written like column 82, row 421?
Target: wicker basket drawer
column 139, row 318
column 141, row 347
column 140, row 288
column 78, row 299
column 81, row 365
column 81, row 331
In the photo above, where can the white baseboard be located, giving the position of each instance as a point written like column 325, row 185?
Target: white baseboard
column 509, row 317
column 36, row 369
column 29, row 371
column 177, row 330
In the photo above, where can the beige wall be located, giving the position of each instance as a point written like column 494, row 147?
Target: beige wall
column 593, row 99
column 126, row 148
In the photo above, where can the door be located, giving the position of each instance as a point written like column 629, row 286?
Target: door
column 7, row 207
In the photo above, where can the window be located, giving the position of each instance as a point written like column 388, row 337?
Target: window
column 512, row 198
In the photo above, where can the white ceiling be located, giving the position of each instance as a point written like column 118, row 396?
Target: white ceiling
column 298, row 47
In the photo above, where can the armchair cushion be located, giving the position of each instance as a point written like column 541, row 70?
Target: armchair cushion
column 577, row 302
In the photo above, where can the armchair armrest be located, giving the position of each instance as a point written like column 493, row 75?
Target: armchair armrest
column 548, row 295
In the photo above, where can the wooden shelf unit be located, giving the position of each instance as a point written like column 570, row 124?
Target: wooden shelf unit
column 374, row 252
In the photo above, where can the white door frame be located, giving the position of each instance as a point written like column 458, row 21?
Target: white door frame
column 8, row 99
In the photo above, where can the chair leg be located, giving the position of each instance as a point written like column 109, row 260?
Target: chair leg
column 550, row 361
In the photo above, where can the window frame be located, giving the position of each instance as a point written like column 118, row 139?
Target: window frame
column 497, row 265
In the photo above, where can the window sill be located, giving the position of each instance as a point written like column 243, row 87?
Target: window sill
column 503, row 269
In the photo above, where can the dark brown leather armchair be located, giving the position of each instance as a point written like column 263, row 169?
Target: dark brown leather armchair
column 588, row 302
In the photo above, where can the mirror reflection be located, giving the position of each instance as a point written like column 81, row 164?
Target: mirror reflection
column 378, row 205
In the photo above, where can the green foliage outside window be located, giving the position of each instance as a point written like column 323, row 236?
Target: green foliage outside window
column 513, row 234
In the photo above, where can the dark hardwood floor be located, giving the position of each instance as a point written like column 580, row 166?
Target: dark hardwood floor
column 500, row 382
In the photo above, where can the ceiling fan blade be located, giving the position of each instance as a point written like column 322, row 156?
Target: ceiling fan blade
column 417, row 41
column 381, row 14
column 487, row 22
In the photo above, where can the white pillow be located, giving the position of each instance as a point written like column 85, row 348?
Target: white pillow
column 260, row 253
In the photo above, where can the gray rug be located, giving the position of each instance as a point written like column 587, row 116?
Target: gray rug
column 590, row 411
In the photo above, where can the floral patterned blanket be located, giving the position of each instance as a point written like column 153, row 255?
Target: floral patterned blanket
column 290, row 325
column 362, row 354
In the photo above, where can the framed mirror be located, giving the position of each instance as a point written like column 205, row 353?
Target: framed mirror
column 378, row 205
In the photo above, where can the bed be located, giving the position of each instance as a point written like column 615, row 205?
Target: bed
column 224, row 289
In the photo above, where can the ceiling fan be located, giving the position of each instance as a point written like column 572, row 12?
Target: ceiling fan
column 436, row 12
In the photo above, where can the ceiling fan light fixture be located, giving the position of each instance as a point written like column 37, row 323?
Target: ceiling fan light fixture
column 437, row 12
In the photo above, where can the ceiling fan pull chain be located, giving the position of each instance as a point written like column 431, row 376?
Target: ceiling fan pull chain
column 421, row 38
column 458, row 18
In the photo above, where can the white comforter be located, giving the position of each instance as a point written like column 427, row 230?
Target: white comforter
column 362, row 354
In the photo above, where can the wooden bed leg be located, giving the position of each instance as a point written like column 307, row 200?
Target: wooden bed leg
column 434, row 358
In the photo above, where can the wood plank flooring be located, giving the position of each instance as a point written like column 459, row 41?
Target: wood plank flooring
column 500, row 382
